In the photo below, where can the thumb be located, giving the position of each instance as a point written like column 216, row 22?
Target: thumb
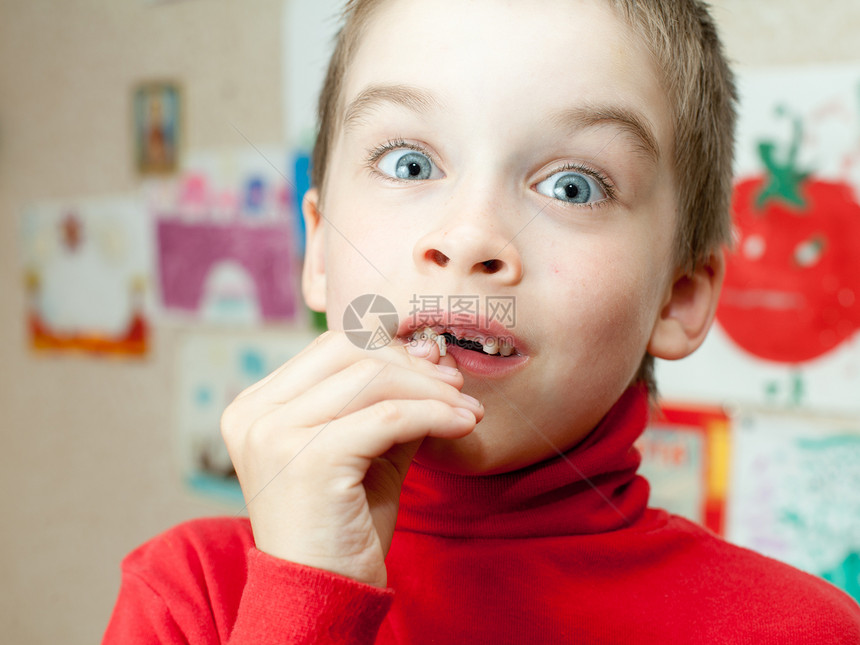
column 431, row 350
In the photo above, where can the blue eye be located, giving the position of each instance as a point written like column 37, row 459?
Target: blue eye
column 572, row 187
column 408, row 164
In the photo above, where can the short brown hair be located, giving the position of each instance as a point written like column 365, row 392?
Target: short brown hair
column 683, row 40
column 356, row 15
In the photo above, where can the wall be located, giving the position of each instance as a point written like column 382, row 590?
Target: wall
column 87, row 471
column 87, row 457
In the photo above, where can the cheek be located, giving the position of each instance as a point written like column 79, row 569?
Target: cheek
column 611, row 299
column 346, row 275
column 359, row 260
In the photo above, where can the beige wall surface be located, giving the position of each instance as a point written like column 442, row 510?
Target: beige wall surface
column 87, row 468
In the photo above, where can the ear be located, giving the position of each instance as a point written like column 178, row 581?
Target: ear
column 688, row 310
column 313, row 271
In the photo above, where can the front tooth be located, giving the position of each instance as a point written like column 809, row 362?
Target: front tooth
column 506, row 350
column 443, row 344
column 491, row 346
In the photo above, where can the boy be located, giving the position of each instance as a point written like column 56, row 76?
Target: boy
column 574, row 155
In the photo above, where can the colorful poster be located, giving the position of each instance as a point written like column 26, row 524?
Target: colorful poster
column 212, row 369
column 795, row 493
column 685, row 458
column 87, row 275
column 226, row 233
column 250, row 181
column 789, row 316
column 230, row 272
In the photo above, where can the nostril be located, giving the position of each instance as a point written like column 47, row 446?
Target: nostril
column 438, row 257
column 493, row 266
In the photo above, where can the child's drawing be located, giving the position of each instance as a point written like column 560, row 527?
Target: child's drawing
column 230, row 272
column 796, row 493
column 87, row 275
column 212, row 369
column 788, row 323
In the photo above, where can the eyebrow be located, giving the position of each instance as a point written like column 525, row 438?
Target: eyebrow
column 628, row 120
column 374, row 96
column 576, row 118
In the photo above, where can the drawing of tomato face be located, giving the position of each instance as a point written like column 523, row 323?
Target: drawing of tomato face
column 792, row 287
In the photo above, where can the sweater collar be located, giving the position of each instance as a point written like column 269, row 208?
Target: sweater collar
column 592, row 488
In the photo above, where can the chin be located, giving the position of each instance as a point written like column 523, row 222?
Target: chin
column 468, row 456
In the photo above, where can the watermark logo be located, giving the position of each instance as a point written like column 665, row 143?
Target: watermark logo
column 502, row 309
column 370, row 321
column 430, row 310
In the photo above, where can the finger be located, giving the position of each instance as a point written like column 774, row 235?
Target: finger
column 450, row 362
column 366, row 383
column 295, row 359
column 330, row 354
column 344, row 448
column 423, row 347
column 431, row 350
column 374, row 430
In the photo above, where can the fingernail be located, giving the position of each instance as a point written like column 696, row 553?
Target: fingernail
column 471, row 399
column 466, row 414
column 419, row 348
column 447, row 369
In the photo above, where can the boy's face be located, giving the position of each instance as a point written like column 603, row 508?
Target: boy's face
column 507, row 149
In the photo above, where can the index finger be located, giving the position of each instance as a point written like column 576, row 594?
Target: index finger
column 332, row 352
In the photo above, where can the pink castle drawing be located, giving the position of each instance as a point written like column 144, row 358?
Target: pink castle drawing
column 189, row 251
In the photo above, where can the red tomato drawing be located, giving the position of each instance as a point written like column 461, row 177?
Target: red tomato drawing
column 792, row 288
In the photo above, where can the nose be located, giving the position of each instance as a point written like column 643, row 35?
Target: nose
column 470, row 247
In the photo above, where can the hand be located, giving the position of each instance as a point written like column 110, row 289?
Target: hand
column 321, row 447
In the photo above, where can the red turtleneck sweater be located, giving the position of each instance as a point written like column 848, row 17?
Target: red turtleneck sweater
column 562, row 552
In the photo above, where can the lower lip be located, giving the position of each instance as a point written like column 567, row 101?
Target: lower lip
column 487, row 365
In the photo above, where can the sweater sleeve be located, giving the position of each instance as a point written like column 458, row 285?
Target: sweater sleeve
column 284, row 602
column 188, row 586
column 141, row 616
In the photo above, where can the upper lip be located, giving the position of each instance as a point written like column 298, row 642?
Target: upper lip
column 460, row 325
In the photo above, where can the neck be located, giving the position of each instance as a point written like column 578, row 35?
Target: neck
column 591, row 488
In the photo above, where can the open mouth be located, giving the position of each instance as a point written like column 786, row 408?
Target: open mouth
column 491, row 345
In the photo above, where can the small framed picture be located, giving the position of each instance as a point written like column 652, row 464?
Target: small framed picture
column 157, row 127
